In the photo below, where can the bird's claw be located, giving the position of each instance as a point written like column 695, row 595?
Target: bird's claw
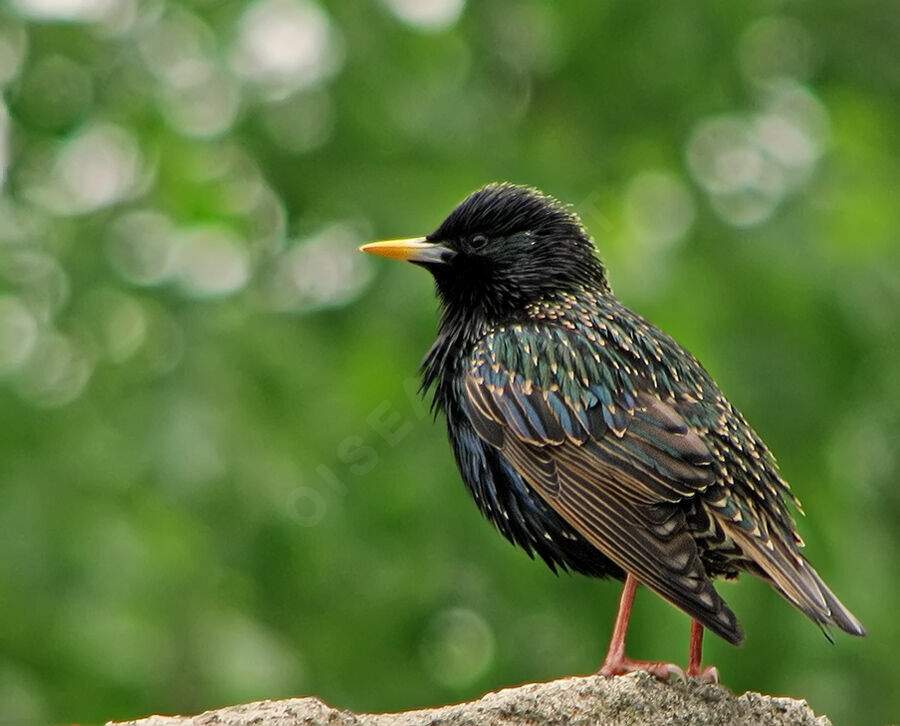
column 673, row 670
column 707, row 675
column 662, row 671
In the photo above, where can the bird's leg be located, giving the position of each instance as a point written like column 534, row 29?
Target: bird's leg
column 615, row 656
column 695, row 657
column 617, row 663
column 696, row 652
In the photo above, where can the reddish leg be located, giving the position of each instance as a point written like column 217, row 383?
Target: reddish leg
column 616, row 663
column 695, row 656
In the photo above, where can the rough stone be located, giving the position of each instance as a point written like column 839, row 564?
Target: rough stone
column 636, row 699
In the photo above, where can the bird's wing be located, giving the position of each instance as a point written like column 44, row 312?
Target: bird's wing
column 611, row 458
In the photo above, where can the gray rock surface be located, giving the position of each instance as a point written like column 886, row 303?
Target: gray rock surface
column 624, row 701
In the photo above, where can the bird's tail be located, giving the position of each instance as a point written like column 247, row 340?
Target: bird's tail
column 783, row 567
column 837, row 613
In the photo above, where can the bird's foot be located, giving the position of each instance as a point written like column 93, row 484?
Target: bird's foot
column 710, row 674
column 622, row 666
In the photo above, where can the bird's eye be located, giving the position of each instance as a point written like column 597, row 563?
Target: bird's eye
column 478, row 242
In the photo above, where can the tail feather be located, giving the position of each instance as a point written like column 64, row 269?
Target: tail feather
column 838, row 614
column 795, row 579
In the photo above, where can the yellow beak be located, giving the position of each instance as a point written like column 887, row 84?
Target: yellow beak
column 414, row 249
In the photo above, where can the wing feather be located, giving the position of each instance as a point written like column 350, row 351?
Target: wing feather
column 608, row 472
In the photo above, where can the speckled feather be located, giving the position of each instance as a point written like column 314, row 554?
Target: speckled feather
column 591, row 438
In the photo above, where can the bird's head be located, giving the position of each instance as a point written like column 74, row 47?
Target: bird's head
column 503, row 247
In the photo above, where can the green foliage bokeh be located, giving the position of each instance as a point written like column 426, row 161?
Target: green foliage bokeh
column 217, row 482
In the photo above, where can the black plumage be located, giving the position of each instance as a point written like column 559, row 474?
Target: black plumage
column 588, row 436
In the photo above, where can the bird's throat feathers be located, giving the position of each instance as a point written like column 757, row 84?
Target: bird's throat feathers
column 457, row 334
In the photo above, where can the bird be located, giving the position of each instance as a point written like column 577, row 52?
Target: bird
column 589, row 437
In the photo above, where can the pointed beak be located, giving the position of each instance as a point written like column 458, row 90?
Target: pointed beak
column 416, row 249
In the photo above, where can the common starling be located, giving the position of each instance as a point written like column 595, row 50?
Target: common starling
column 591, row 438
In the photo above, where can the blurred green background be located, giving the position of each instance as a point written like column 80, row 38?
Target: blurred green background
column 216, row 481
